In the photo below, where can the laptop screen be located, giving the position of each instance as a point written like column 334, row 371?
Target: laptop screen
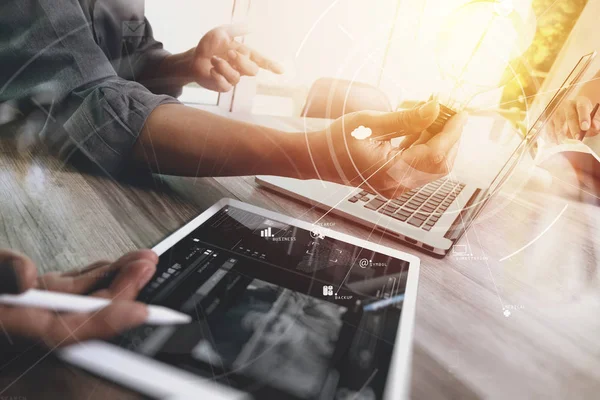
column 529, row 142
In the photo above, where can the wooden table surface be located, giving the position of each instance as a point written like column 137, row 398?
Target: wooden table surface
column 487, row 325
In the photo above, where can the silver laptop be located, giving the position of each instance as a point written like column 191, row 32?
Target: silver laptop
column 432, row 217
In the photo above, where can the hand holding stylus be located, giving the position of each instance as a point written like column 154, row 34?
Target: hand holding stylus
column 53, row 329
column 573, row 118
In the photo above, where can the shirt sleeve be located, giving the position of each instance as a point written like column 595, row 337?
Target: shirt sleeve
column 124, row 33
column 105, row 123
column 49, row 54
column 143, row 52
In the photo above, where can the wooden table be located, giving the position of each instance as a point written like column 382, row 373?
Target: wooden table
column 487, row 325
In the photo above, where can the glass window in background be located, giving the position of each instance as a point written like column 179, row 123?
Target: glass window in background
column 457, row 49
column 537, row 74
column 349, row 39
column 344, row 39
column 489, row 55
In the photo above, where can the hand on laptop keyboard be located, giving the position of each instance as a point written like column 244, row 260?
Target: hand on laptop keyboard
column 375, row 164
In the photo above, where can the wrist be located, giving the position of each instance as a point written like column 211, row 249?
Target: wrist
column 314, row 161
column 178, row 67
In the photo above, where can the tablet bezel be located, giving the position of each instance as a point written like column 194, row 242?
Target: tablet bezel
column 160, row 380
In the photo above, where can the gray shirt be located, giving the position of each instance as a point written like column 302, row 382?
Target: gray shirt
column 73, row 69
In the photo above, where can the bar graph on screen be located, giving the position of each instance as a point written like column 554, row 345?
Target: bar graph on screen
column 266, row 233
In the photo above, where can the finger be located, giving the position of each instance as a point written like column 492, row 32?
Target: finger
column 416, row 167
column 242, row 49
column 220, row 82
column 409, row 140
column 87, row 281
column 144, row 254
column 593, row 131
column 265, row 63
column 427, row 165
column 385, row 185
column 57, row 329
column 226, row 70
column 584, row 109
column 260, row 60
column 242, row 63
column 442, row 143
column 402, row 122
column 448, row 161
column 235, row 30
column 572, row 121
column 424, row 138
column 17, row 272
column 129, row 281
column 91, row 267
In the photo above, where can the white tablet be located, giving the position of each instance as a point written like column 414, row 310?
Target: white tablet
column 282, row 309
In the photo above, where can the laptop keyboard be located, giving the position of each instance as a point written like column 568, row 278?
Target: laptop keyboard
column 421, row 207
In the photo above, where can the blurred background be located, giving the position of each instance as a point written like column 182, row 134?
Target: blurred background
column 408, row 49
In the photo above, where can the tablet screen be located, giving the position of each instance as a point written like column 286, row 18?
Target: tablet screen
column 279, row 311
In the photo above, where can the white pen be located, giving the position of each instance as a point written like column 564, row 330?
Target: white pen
column 64, row 302
column 379, row 304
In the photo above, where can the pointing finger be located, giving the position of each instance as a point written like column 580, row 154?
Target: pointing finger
column 266, row 63
column 242, row 63
column 260, row 60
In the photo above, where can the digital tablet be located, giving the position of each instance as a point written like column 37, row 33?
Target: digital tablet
column 282, row 309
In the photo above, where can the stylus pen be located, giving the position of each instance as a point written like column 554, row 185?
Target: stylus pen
column 64, row 302
column 379, row 304
column 592, row 116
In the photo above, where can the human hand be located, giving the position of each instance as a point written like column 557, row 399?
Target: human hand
column 220, row 61
column 131, row 272
column 571, row 118
column 377, row 165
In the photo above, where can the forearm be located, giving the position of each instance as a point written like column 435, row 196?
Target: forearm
column 176, row 68
column 180, row 140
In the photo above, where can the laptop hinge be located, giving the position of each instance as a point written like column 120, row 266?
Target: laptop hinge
column 466, row 216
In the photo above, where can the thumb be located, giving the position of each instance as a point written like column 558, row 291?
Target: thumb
column 404, row 122
column 17, row 273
